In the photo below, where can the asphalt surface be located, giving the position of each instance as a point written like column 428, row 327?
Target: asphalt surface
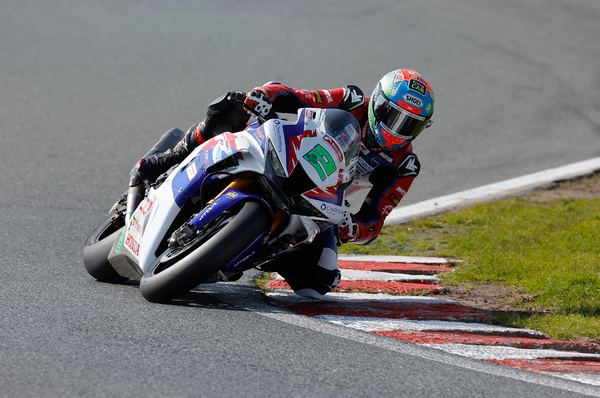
column 87, row 87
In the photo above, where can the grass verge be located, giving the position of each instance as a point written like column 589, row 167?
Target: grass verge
column 545, row 246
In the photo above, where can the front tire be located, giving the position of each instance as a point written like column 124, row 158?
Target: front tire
column 97, row 248
column 178, row 270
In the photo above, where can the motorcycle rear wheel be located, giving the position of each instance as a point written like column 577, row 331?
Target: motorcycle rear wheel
column 96, row 250
column 178, row 270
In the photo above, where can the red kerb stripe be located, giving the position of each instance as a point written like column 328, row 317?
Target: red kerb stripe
column 407, row 268
column 478, row 339
column 347, row 286
column 385, row 309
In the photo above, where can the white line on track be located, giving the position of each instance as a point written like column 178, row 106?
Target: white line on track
column 358, row 275
column 378, row 324
column 287, row 295
column 500, row 352
column 394, row 259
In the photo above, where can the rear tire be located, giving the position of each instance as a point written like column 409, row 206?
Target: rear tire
column 178, row 270
column 96, row 250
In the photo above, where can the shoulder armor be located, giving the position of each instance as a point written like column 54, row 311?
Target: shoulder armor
column 353, row 98
column 409, row 166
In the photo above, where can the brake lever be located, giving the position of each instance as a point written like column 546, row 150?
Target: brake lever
column 238, row 98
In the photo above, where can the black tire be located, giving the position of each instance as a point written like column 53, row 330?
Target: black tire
column 97, row 248
column 179, row 270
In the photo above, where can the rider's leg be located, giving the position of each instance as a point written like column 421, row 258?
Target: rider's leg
column 312, row 271
column 221, row 115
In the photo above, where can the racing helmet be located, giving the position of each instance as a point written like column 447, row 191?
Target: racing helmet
column 400, row 108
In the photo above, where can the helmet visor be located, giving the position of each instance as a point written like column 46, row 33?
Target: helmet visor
column 398, row 125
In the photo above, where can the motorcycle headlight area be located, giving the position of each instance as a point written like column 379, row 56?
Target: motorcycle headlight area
column 306, row 207
column 274, row 160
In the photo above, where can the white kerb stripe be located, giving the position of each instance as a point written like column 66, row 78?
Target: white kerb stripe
column 500, row 190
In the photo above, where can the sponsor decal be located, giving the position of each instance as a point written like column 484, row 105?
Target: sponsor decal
column 387, row 210
column 121, row 239
column 243, row 259
column 394, row 199
column 363, row 168
column 363, row 149
column 260, row 133
column 398, row 77
column 334, row 146
column 341, row 143
column 387, row 157
column 417, row 86
column 318, row 97
column 351, row 130
column 328, row 95
column 306, row 94
column 191, row 170
column 401, row 191
column 146, row 206
column 410, row 99
column 133, row 245
column 410, row 109
column 231, row 195
column 355, row 98
column 331, row 209
column 409, row 167
column 279, row 142
column 136, row 224
column 322, row 161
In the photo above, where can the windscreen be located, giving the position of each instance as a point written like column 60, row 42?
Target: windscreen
column 343, row 128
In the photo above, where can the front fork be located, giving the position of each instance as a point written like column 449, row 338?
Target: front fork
column 134, row 197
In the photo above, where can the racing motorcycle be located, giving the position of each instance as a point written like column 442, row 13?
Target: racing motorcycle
column 238, row 201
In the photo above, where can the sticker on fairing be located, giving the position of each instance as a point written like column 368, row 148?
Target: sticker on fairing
column 133, row 236
column 191, row 170
column 321, row 160
column 121, row 239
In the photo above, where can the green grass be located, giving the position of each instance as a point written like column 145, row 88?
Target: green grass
column 548, row 249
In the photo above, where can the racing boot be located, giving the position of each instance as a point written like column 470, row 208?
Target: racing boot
column 155, row 163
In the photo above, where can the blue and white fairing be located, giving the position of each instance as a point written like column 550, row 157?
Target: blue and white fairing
column 322, row 142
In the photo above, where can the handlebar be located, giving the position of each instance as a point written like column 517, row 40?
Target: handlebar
column 238, row 98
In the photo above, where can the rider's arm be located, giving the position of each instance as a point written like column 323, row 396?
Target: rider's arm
column 288, row 100
column 390, row 184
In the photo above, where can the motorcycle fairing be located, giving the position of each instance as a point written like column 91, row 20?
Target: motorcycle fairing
column 135, row 251
column 188, row 180
column 225, row 201
column 295, row 143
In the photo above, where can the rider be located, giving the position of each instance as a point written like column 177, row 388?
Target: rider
column 399, row 109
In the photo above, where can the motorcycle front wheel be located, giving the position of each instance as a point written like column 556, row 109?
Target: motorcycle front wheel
column 97, row 248
column 180, row 269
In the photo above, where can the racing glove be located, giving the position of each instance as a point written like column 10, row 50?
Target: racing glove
column 348, row 228
column 259, row 101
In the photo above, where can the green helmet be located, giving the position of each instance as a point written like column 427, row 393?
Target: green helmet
column 400, row 108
